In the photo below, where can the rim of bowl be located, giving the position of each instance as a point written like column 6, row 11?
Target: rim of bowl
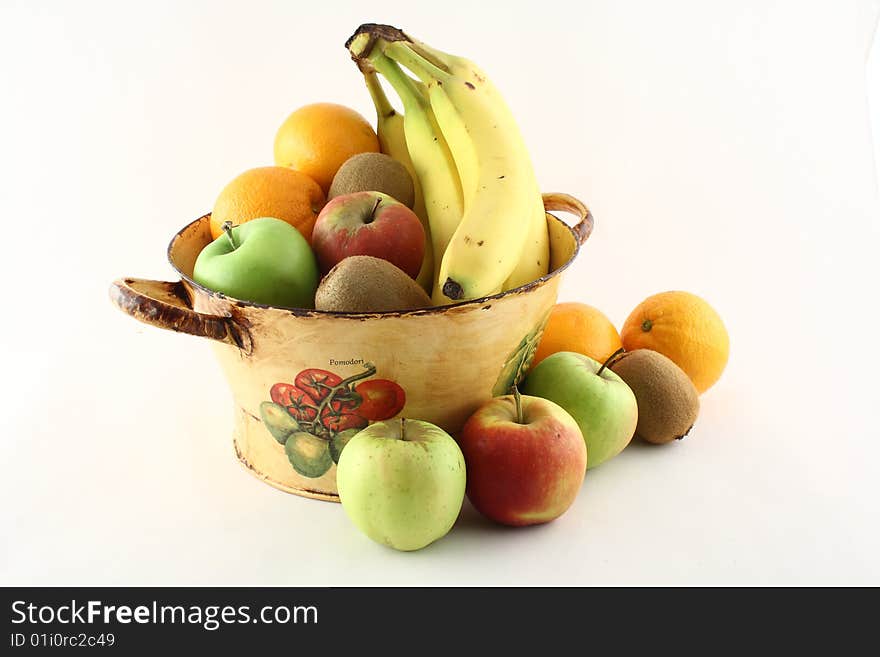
column 310, row 312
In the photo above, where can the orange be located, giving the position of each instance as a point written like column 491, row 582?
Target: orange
column 580, row 328
column 317, row 139
column 269, row 192
column 685, row 329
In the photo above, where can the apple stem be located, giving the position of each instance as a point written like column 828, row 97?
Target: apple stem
column 403, row 428
column 517, row 400
column 227, row 228
column 369, row 219
column 611, row 358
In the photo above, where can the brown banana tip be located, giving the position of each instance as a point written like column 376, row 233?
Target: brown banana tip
column 363, row 64
column 452, row 289
column 377, row 31
column 360, row 55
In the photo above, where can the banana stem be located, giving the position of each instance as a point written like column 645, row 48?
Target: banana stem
column 384, row 108
column 402, row 83
column 366, row 36
column 432, row 55
column 402, row 53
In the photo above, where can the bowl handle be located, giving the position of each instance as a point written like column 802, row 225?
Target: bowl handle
column 567, row 203
column 165, row 305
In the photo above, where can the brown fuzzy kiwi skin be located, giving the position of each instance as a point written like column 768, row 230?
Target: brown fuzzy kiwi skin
column 364, row 284
column 374, row 172
column 667, row 399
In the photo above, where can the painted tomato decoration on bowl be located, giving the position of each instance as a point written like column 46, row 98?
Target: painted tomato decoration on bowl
column 382, row 399
column 323, row 405
column 318, row 383
column 301, row 406
column 280, row 393
column 336, row 422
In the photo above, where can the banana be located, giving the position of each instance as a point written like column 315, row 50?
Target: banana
column 453, row 64
column 501, row 199
column 535, row 258
column 431, row 159
column 392, row 140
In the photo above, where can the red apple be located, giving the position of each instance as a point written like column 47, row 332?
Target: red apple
column 526, row 463
column 369, row 223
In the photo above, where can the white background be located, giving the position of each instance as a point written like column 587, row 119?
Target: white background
column 724, row 147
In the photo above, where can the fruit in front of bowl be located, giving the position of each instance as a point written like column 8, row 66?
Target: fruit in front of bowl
column 598, row 399
column 526, row 460
column 402, row 482
column 317, row 139
column 580, row 328
column 684, row 328
column 308, row 454
column 667, row 399
column 363, row 284
column 269, row 192
column 265, row 260
column 374, row 172
column 371, row 224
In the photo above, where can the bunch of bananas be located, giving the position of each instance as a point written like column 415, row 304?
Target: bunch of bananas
column 476, row 190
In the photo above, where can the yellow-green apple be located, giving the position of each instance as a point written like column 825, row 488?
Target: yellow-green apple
column 600, row 402
column 525, row 458
column 264, row 260
column 402, row 482
column 372, row 224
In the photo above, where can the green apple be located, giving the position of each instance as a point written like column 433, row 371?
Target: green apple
column 402, row 482
column 600, row 402
column 263, row 260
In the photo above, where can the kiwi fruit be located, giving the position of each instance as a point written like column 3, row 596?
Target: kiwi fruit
column 364, row 284
column 667, row 399
column 374, row 172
